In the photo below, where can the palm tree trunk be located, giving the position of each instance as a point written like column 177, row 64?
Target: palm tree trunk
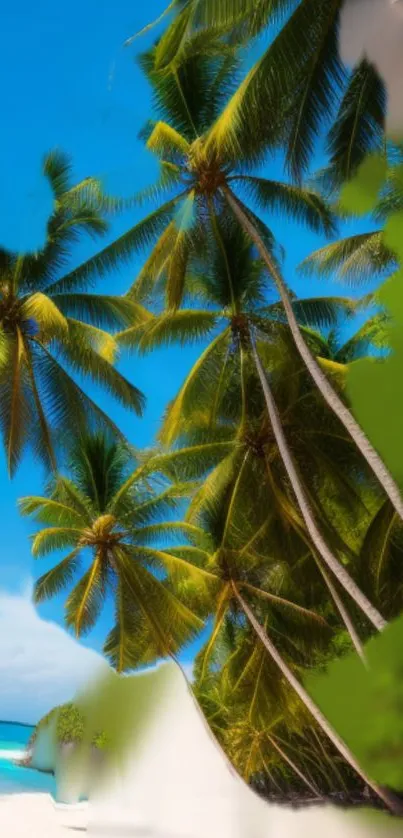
column 338, row 603
column 331, row 397
column 343, row 614
column 319, row 542
column 292, row 765
column 391, row 801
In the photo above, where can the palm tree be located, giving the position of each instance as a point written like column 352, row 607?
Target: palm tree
column 45, row 323
column 262, row 725
column 108, row 517
column 379, row 545
column 206, row 178
column 231, row 571
column 297, row 86
column 234, row 296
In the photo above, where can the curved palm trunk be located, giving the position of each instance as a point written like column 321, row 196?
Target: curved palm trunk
column 343, row 614
column 319, row 542
column 392, row 802
column 331, row 397
column 292, row 765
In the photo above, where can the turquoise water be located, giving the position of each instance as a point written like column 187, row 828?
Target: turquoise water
column 13, row 778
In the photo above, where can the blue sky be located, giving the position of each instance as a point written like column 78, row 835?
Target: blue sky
column 67, row 82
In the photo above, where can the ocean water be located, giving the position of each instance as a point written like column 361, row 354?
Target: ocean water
column 13, row 778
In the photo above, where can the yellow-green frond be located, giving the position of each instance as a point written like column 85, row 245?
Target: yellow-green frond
column 166, row 142
column 46, row 315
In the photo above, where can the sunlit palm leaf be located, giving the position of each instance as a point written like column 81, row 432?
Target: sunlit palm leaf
column 84, row 604
column 356, row 259
column 54, row 538
column 58, row 578
column 181, row 326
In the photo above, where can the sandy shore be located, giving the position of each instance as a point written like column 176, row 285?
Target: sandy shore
column 38, row 816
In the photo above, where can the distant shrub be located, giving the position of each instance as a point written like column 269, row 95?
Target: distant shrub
column 70, row 726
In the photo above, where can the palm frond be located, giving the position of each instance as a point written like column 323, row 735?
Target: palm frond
column 168, row 143
column 181, row 326
column 80, row 354
column 356, row 259
column 118, row 253
column 54, row 538
column 169, row 621
column 122, row 646
column 375, row 333
column 15, row 408
column 44, row 312
column 167, row 531
column 194, row 389
column 378, row 543
column 57, row 169
column 100, row 310
column 72, row 410
column 50, row 511
column 85, row 601
column 58, row 578
column 358, row 128
column 302, row 204
column 316, row 311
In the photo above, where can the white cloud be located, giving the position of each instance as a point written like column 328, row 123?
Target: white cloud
column 40, row 664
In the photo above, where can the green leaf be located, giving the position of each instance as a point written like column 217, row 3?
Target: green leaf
column 84, row 604
column 354, row 260
column 58, row 578
column 184, row 326
column 360, row 195
column 364, row 705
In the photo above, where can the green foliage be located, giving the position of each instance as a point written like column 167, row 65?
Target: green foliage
column 298, row 79
column 240, row 551
column 360, row 194
column 364, row 704
column 49, row 333
column 70, row 726
column 381, row 417
column 107, row 509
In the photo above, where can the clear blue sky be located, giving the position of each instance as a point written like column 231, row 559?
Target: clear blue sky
column 67, row 82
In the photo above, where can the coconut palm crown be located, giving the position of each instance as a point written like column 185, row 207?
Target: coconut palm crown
column 108, row 512
column 51, row 328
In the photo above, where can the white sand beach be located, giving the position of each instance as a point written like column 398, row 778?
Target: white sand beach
column 38, row 816
column 176, row 783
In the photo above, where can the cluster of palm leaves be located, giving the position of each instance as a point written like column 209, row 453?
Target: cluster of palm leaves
column 262, row 518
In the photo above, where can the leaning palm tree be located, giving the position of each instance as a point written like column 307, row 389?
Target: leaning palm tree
column 237, row 320
column 222, row 582
column 48, row 330
column 108, row 517
column 206, row 179
column 264, row 728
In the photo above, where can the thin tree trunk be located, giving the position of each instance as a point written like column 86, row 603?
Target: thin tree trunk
column 343, row 613
column 319, row 542
column 391, row 801
column 292, row 765
column 339, row 605
column 331, row 397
